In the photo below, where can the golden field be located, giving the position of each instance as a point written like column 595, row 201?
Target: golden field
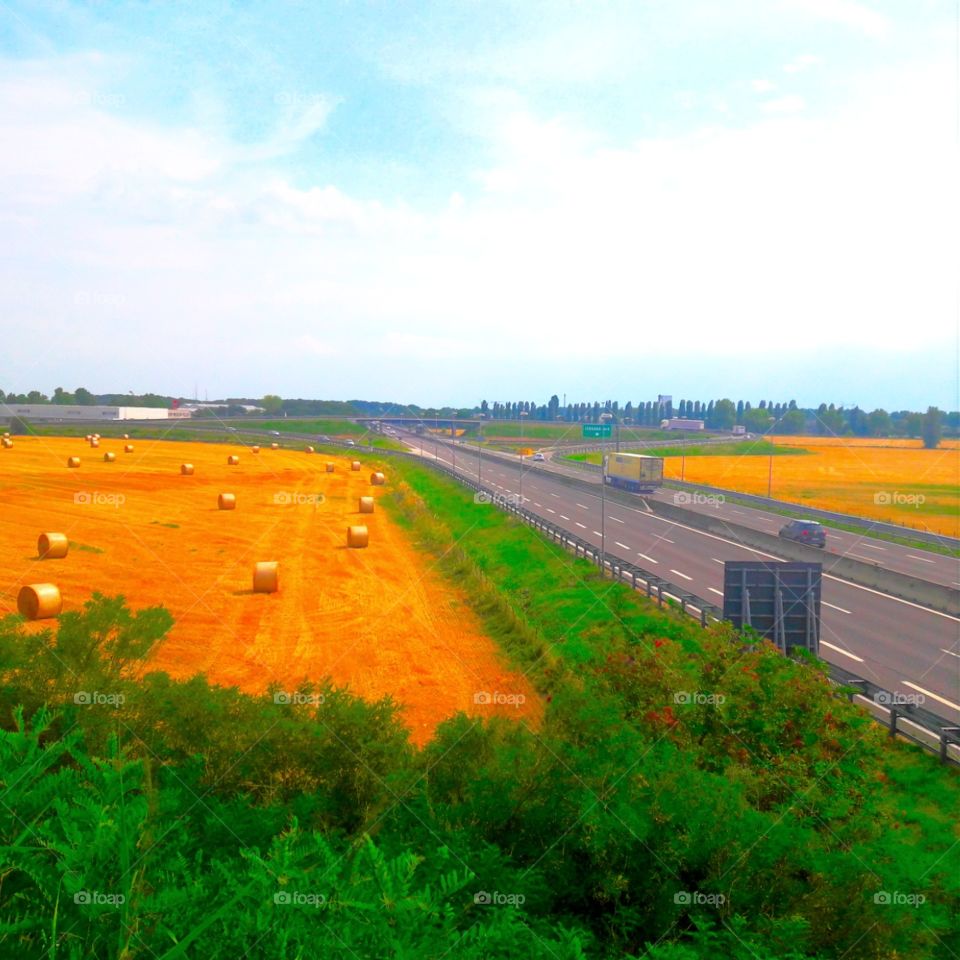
column 892, row 480
column 377, row 620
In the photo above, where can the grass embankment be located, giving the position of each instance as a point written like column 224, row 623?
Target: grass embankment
column 743, row 448
column 685, row 796
column 564, row 432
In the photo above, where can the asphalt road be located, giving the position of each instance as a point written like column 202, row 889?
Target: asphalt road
column 899, row 645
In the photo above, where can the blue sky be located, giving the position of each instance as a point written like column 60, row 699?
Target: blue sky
column 441, row 202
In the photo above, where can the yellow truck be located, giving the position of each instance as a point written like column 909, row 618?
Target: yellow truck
column 633, row 472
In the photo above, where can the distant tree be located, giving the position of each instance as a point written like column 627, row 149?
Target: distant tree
column 879, row 423
column 484, row 408
column 931, row 429
column 553, row 407
column 724, row 415
column 763, row 405
column 739, row 411
column 913, row 423
column 792, row 422
column 84, row 397
column 756, row 421
column 859, row 424
column 596, row 411
column 35, row 396
column 272, row 404
column 60, row 396
column 628, row 410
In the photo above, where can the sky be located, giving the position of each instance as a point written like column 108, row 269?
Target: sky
column 443, row 202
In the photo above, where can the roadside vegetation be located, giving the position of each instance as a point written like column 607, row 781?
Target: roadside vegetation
column 741, row 448
column 686, row 796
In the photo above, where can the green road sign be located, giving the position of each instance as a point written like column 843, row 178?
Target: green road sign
column 595, row 430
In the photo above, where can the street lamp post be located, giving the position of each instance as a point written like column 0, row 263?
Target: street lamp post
column 603, row 513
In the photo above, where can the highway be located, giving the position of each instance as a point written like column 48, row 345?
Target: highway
column 899, row 645
column 925, row 564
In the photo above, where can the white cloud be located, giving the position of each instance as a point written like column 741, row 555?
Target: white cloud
column 800, row 63
column 788, row 104
column 762, row 85
column 849, row 13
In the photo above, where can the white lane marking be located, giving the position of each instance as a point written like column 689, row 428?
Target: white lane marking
column 582, row 507
column 664, row 539
column 935, row 696
column 742, row 514
column 833, row 536
column 537, row 504
column 550, row 511
column 557, row 495
column 679, row 574
column 597, row 533
column 715, row 560
column 715, row 590
column 910, row 556
column 645, row 557
column 562, row 517
column 870, row 546
column 858, row 557
column 952, row 653
column 581, row 525
column 619, row 544
column 846, row 653
column 833, row 606
column 615, row 518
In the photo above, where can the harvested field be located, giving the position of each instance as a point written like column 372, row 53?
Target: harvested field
column 378, row 621
column 892, row 480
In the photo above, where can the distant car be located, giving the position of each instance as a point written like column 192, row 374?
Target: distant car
column 274, row 433
column 538, row 458
column 805, row 531
column 350, row 443
column 322, row 436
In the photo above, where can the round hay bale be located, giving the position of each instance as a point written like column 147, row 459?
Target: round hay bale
column 266, row 577
column 330, row 467
column 96, row 436
column 6, row 434
column 186, row 469
column 73, row 461
column 366, row 505
column 355, row 465
column 254, row 449
column 7, row 442
column 126, row 436
column 88, row 437
column 309, row 449
column 52, row 546
column 274, row 446
column 378, row 479
column 94, row 442
column 39, row 601
column 232, row 460
column 109, row 457
column 227, row 501
column 357, row 536
column 128, row 448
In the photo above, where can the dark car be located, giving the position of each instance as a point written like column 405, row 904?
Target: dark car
column 805, row 531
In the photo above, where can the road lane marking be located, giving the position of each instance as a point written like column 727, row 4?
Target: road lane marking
column 910, row 556
column 582, row 507
column 715, row 560
column 562, row 517
column 742, row 514
column 557, row 495
column 870, row 546
column 645, row 557
column 934, row 696
column 615, row 518
column 952, row 653
column 597, row 533
column 715, row 590
column 833, row 606
column 858, row 557
column 679, row 574
column 550, row 511
column 581, row 525
column 619, row 544
column 537, row 504
column 846, row 653
column 664, row 539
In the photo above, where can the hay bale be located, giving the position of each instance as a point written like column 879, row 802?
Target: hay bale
column 330, row 467
column 274, row 446
column 52, row 546
column 88, row 437
column 355, row 465
column 109, row 457
column 6, row 434
column 96, row 436
column 73, row 461
column 254, row 449
column 366, row 505
column 309, row 449
column 39, row 601
column 232, row 460
column 266, row 577
column 357, row 536
column 126, row 436
column 7, row 442
column 128, row 448
column 186, row 469
column 227, row 501
column 378, row 479
column 94, row 442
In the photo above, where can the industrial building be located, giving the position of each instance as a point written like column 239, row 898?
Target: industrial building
column 65, row 412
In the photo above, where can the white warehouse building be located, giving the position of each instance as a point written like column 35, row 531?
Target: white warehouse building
column 66, row 412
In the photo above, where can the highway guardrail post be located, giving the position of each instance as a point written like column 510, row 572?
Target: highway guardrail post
column 948, row 735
